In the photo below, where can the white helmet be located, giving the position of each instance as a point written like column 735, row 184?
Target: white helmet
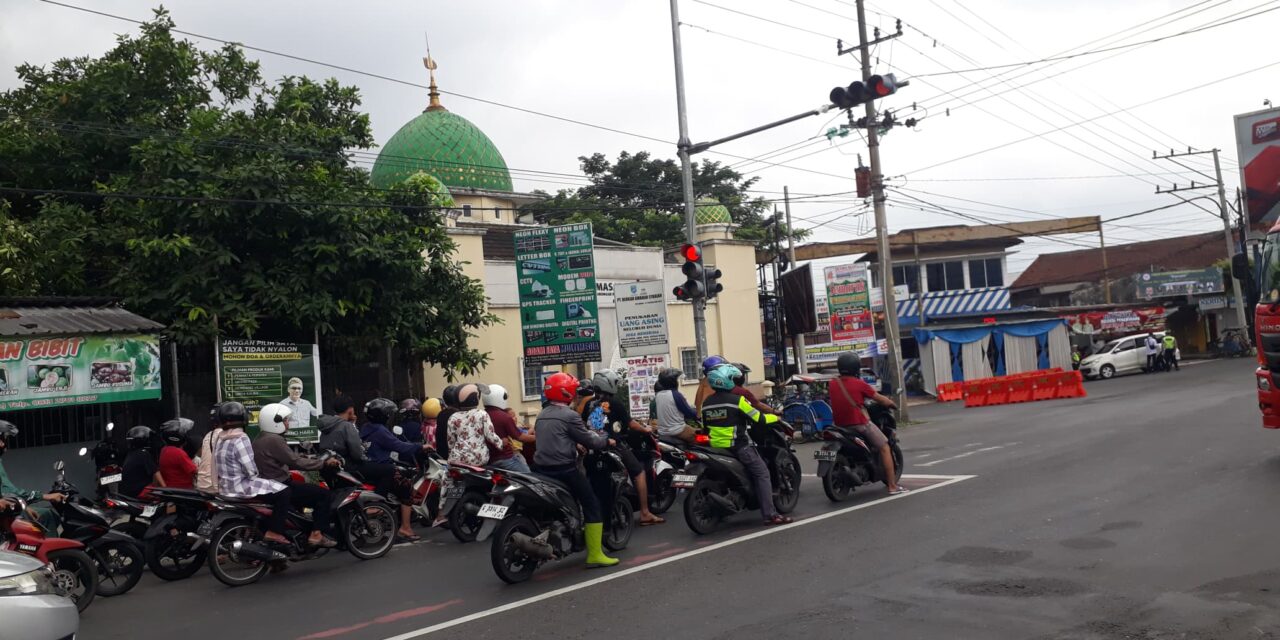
column 274, row 417
column 496, row 397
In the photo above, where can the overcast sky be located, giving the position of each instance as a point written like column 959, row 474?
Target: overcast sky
column 610, row 63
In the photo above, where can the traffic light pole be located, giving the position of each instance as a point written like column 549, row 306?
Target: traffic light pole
column 686, row 168
column 882, row 228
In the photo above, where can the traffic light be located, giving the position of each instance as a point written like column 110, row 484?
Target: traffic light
column 712, row 276
column 858, row 93
column 694, row 285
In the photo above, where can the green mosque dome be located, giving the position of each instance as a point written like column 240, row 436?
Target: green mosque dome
column 711, row 212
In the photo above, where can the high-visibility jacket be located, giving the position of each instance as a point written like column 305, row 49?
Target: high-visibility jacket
column 728, row 417
column 1170, row 343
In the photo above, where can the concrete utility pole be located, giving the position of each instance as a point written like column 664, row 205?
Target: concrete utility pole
column 1241, row 317
column 690, row 206
column 797, row 343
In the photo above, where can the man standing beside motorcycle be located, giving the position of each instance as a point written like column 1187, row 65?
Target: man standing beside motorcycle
column 614, row 418
column 274, row 458
column 560, row 431
column 848, row 393
column 728, row 418
column 46, row 516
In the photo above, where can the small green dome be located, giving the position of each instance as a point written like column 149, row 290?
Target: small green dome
column 446, row 146
column 711, row 212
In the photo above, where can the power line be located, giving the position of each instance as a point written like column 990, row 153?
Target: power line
column 774, row 22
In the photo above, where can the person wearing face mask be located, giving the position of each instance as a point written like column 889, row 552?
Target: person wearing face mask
column 300, row 408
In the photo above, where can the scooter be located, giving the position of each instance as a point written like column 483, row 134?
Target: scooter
column 661, row 472
column 74, row 572
column 719, row 486
column 173, row 549
column 468, row 491
column 846, row 462
column 118, row 557
column 130, row 516
column 108, row 458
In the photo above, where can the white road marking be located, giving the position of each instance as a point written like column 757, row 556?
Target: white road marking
column 962, row 455
column 418, row 633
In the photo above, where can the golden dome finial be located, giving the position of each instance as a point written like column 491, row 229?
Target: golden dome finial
column 430, row 64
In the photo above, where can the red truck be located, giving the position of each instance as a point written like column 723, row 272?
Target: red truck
column 1266, row 321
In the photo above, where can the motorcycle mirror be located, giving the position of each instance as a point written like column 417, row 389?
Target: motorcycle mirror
column 59, row 465
column 110, row 426
column 398, row 430
column 83, row 451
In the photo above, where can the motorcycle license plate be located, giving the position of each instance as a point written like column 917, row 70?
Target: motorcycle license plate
column 205, row 529
column 115, row 477
column 455, row 491
column 683, row 481
column 493, row 511
column 149, row 511
column 825, row 456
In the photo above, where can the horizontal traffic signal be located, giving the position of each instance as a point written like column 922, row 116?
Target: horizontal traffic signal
column 857, row 93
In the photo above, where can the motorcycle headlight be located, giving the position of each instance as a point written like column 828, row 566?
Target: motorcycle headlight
column 38, row 582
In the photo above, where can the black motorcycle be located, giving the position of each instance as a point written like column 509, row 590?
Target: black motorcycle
column 846, row 461
column 469, row 488
column 535, row 519
column 719, row 485
column 118, row 557
column 108, row 460
column 666, row 459
column 238, row 553
column 173, row 548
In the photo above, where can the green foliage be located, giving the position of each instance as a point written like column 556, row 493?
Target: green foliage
column 240, row 203
column 640, row 200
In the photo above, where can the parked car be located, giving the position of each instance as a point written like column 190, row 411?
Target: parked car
column 1122, row 355
column 30, row 606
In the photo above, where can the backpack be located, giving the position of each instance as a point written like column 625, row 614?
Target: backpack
column 206, row 472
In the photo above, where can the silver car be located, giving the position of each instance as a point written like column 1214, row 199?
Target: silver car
column 29, row 606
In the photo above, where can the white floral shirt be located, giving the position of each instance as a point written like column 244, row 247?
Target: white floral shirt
column 470, row 434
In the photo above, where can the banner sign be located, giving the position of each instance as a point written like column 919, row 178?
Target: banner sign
column 38, row 373
column 256, row 373
column 1119, row 321
column 556, row 280
column 819, row 348
column 849, row 304
column 642, row 374
column 1180, row 283
column 1258, row 149
column 642, row 317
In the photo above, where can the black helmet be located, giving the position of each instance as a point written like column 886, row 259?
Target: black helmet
column 742, row 379
column 231, row 414
column 669, row 378
column 8, row 429
column 450, row 395
column 849, row 364
column 140, row 437
column 175, row 431
column 380, row 411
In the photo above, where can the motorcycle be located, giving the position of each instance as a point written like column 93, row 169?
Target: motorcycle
column 74, row 572
column 534, row 519
column 172, row 548
column 846, row 462
column 129, row 516
column 117, row 556
column 239, row 555
column 719, row 486
column 667, row 462
column 108, row 460
column 468, row 491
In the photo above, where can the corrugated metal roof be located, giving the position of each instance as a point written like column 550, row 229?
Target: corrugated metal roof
column 35, row 321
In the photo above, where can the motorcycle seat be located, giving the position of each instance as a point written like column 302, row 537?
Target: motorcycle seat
column 673, row 441
column 552, row 481
column 258, row 500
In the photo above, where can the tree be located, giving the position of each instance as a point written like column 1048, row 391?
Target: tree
column 179, row 181
column 640, row 200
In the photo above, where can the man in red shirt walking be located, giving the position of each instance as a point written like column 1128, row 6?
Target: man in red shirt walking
column 848, row 394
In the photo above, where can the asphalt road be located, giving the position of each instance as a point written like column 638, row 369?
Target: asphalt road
column 1144, row 511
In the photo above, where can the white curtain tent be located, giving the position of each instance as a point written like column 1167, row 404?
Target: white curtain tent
column 1021, row 352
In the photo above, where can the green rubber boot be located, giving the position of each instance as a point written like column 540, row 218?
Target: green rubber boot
column 593, row 532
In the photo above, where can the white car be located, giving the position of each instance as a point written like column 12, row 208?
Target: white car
column 29, row 607
column 1123, row 355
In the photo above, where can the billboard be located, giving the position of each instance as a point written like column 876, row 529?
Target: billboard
column 642, row 318
column 556, row 280
column 1258, row 149
column 38, row 373
column 1180, row 283
column 849, row 303
column 256, row 373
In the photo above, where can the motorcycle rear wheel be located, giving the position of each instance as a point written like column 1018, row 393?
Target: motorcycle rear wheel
column 786, row 491
column 700, row 512
column 463, row 521
column 222, row 557
column 897, row 461
column 509, row 562
column 370, row 531
column 119, row 564
column 74, row 576
column 622, row 523
column 836, row 484
column 172, row 558
column 662, row 496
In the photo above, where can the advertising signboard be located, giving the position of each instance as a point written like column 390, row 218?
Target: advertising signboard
column 1258, row 149
column 1180, row 283
column 38, row 373
column 642, row 317
column 642, row 374
column 556, row 280
column 256, row 373
column 849, row 304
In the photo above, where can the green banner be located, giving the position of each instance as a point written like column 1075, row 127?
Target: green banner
column 38, row 373
column 258, row 372
column 1180, row 283
column 556, row 278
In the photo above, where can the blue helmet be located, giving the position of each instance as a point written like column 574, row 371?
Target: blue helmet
column 711, row 363
column 721, row 377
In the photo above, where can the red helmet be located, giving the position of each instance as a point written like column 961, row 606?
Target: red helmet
column 560, row 387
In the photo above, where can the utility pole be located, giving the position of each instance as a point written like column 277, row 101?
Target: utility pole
column 1241, row 317
column 797, row 343
column 1106, row 268
column 690, row 213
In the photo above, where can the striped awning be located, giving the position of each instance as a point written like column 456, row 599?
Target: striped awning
column 941, row 304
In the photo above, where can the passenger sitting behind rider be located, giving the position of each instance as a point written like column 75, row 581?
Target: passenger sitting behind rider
column 496, row 406
column 176, row 467
column 672, row 409
column 378, row 413
column 274, row 458
column 727, row 417
column 560, row 431
column 238, row 473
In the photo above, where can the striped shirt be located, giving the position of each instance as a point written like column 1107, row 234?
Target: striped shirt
column 237, row 473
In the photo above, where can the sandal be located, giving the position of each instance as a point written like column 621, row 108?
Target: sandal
column 400, row 537
column 656, row 520
column 900, row 489
column 778, row 519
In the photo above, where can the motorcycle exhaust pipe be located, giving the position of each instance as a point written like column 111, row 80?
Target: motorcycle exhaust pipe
column 533, row 547
column 197, row 540
column 257, row 552
column 722, row 502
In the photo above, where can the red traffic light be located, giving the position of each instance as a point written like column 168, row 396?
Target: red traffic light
column 881, row 86
column 691, row 252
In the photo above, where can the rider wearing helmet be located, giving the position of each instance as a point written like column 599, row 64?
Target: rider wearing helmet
column 740, row 388
column 671, row 408
column 449, row 400
column 274, row 458
column 140, row 467
column 237, row 473
column 378, row 413
column 430, row 409
column 235, row 414
column 728, row 418
column 560, row 430
column 848, row 394
column 411, row 420
column 471, row 434
column 47, row 516
column 704, row 386
column 176, row 468
column 497, row 406
column 613, row 417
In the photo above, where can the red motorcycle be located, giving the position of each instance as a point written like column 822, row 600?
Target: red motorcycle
column 75, row 575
